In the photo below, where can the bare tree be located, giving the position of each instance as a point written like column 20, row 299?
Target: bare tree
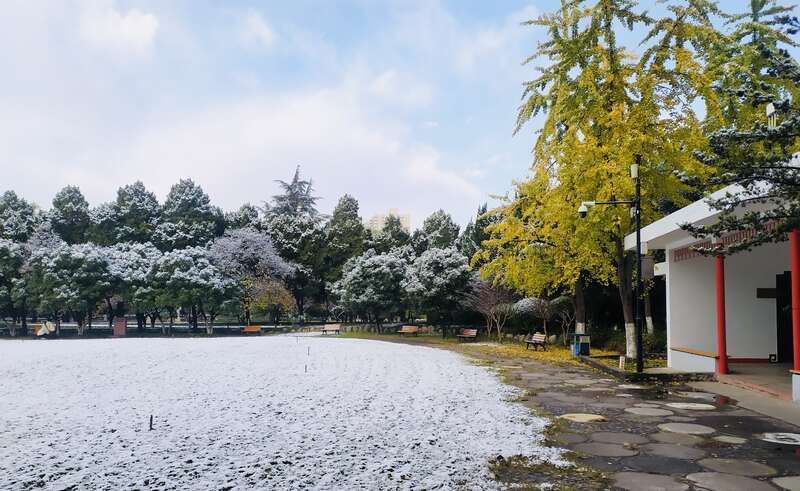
column 567, row 316
column 495, row 302
column 544, row 308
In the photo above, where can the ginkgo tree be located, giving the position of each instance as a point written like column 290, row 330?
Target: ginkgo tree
column 600, row 108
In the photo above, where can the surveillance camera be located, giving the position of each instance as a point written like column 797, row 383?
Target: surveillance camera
column 583, row 210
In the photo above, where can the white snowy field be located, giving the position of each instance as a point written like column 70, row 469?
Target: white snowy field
column 279, row 412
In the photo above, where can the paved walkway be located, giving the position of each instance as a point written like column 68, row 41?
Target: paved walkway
column 648, row 438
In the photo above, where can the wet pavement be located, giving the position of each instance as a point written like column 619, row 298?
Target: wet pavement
column 659, row 437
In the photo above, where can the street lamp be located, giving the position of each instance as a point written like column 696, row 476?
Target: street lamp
column 635, row 205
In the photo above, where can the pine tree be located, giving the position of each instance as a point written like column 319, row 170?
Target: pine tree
column 438, row 231
column 391, row 236
column 344, row 237
column 297, row 197
column 70, row 215
column 137, row 213
column 761, row 160
column 18, row 218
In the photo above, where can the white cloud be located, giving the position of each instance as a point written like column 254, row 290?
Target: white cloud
column 355, row 120
column 500, row 43
column 256, row 32
column 236, row 150
column 107, row 28
column 394, row 86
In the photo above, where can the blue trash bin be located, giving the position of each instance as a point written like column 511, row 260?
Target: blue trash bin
column 580, row 345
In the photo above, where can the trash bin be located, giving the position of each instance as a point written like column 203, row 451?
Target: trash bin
column 580, row 345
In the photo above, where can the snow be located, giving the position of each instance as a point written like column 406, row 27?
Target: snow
column 244, row 413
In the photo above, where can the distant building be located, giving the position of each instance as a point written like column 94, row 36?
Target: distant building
column 377, row 222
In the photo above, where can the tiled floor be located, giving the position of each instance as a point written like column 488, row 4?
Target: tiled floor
column 771, row 378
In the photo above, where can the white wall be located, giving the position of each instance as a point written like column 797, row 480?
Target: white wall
column 751, row 322
column 692, row 363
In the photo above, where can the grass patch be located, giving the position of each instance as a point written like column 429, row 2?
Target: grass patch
column 520, row 472
column 432, row 339
column 554, row 353
column 630, row 363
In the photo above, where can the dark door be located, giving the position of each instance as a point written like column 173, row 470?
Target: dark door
column 783, row 301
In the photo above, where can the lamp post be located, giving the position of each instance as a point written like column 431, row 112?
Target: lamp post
column 636, row 214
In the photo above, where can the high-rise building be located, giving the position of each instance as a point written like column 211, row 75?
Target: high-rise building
column 377, row 222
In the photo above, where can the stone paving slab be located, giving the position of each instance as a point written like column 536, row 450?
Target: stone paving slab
column 739, row 467
column 676, row 438
column 642, row 481
column 620, row 438
column 674, row 451
column 666, row 446
column 715, row 481
column 792, row 483
column 604, row 450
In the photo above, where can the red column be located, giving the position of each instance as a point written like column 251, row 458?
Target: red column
column 794, row 246
column 722, row 348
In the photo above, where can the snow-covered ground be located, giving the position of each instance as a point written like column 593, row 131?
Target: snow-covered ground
column 279, row 412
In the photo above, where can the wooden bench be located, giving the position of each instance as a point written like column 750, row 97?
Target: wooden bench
column 251, row 330
column 467, row 334
column 334, row 328
column 408, row 330
column 536, row 340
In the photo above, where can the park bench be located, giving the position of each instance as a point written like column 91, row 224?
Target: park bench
column 333, row 328
column 251, row 330
column 408, row 330
column 536, row 340
column 467, row 334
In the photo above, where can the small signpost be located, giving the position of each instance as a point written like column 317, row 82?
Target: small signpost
column 622, row 362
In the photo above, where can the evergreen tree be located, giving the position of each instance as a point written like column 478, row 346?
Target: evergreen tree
column 137, row 213
column 246, row 216
column 296, row 199
column 471, row 239
column 70, row 215
column 18, row 218
column 344, row 237
column 438, row 231
column 761, row 160
column 187, row 218
column 391, row 236
column 294, row 225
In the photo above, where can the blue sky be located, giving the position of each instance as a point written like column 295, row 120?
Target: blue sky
column 403, row 104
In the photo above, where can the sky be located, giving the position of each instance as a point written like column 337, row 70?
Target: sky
column 405, row 104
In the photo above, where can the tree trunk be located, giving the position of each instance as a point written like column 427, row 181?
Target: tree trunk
column 24, row 314
column 193, row 319
column 110, row 313
column 626, row 298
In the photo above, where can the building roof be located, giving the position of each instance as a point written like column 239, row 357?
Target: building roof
column 668, row 230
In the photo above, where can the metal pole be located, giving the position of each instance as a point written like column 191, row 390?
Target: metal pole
column 638, row 295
